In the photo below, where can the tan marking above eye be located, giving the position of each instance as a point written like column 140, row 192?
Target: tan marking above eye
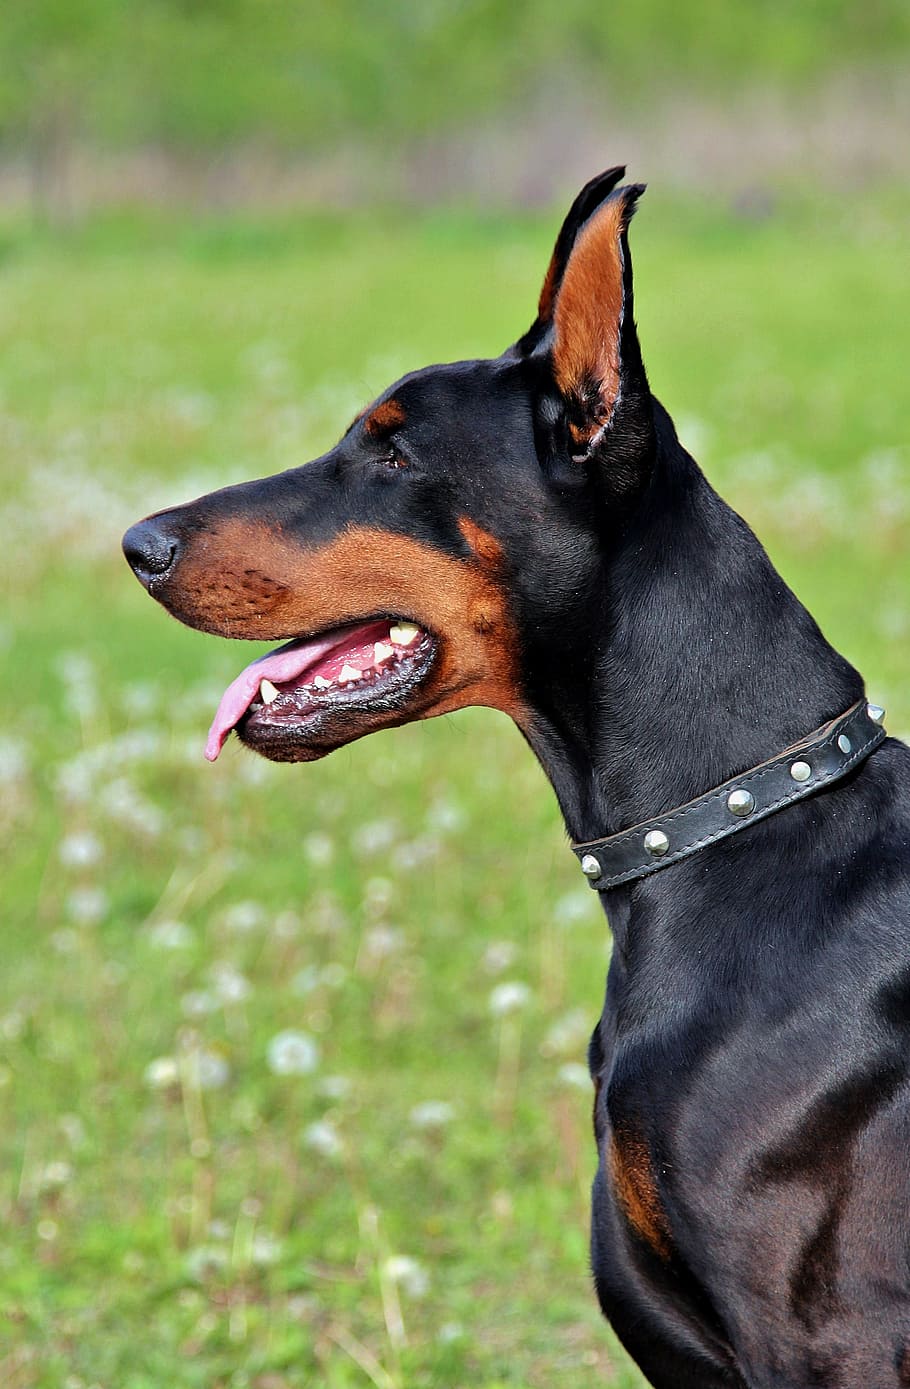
column 384, row 418
column 365, row 571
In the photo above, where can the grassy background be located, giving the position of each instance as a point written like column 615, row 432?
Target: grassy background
column 179, row 1209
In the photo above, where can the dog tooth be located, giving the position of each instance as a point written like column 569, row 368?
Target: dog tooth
column 349, row 674
column 382, row 652
column 403, row 633
column 267, row 691
column 321, row 683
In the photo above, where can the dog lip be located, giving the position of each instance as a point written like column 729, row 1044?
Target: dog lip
column 331, row 718
column 283, row 664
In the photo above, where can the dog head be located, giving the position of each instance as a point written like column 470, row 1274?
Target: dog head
column 444, row 551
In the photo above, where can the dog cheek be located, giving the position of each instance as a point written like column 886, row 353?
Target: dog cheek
column 228, row 603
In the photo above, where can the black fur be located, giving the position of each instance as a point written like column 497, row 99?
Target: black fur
column 755, row 1038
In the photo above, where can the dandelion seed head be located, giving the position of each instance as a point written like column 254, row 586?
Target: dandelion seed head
column 56, row 1175
column 378, row 895
column 229, row 984
column 574, row 1074
column 14, row 761
column 122, row 802
column 212, row 1069
column 80, row 691
column 12, row 1024
column 575, row 907
column 87, row 905
column 162, row 1073
column 432, row 1114
column 445, row 817
column 410, row 1276
column 382, row 941
column 206, row 1261
column 73, row 1130
column 80, row 850
column 498, row 955
column 374, row 838
column 319, row 848
column 197, row 1003
column 265, row 1249
column 323, row 1138
column 306, row 980
column 244, row 917
column 509, row 997
column 414, row 852
column 171, row 935
column 567, row 1035
column 287, row 926
column 334, row 1087
column 292, row 1053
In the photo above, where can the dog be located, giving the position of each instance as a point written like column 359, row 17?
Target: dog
column 528, row 533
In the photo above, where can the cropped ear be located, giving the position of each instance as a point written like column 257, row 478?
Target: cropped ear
column 595, row 358
column 587, row 202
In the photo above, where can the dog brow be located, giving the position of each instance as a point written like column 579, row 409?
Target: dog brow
column 384, row 418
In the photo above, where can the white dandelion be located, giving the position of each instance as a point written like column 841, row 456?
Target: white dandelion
column 509, row 997
column 292, row 1053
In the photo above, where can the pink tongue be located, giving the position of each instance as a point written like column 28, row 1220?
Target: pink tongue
column 285, row 664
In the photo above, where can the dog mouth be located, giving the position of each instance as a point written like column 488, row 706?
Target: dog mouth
column 324, row 690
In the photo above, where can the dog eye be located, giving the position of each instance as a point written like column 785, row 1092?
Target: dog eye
column 393, row 460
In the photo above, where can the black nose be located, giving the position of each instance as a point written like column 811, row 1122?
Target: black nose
column 151, row 548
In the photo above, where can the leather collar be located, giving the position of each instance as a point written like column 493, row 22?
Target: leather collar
column 801, row 769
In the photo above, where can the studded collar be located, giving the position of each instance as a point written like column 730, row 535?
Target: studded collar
column 801, row 769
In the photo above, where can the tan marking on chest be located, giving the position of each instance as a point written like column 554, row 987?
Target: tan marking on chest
column 630, row 1166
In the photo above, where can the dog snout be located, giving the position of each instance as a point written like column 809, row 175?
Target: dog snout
column 152, row 548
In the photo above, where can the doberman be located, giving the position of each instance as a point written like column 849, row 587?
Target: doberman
column 528, row 533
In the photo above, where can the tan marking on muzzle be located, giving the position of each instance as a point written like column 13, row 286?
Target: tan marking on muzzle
column 247, row 580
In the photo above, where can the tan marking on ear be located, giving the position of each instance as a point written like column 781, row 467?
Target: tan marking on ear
column 588, row 312
column 629, row 1163
column 548, row 291
column 384, row 418
column 363, row 571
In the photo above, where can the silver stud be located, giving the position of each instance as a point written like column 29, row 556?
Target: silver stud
column 800, row 771
column 844, row 743
column 656, row 843
column 590, row 866
column 876, row 713
column 741, row 803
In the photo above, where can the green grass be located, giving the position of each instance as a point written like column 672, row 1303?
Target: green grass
column 201, row 1230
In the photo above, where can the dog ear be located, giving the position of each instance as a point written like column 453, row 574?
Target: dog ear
column 595, row 358
column 586, row 203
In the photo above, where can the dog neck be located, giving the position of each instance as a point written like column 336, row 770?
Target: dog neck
column 699, row 661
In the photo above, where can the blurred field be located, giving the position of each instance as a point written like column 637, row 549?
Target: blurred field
column 291, row 1059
